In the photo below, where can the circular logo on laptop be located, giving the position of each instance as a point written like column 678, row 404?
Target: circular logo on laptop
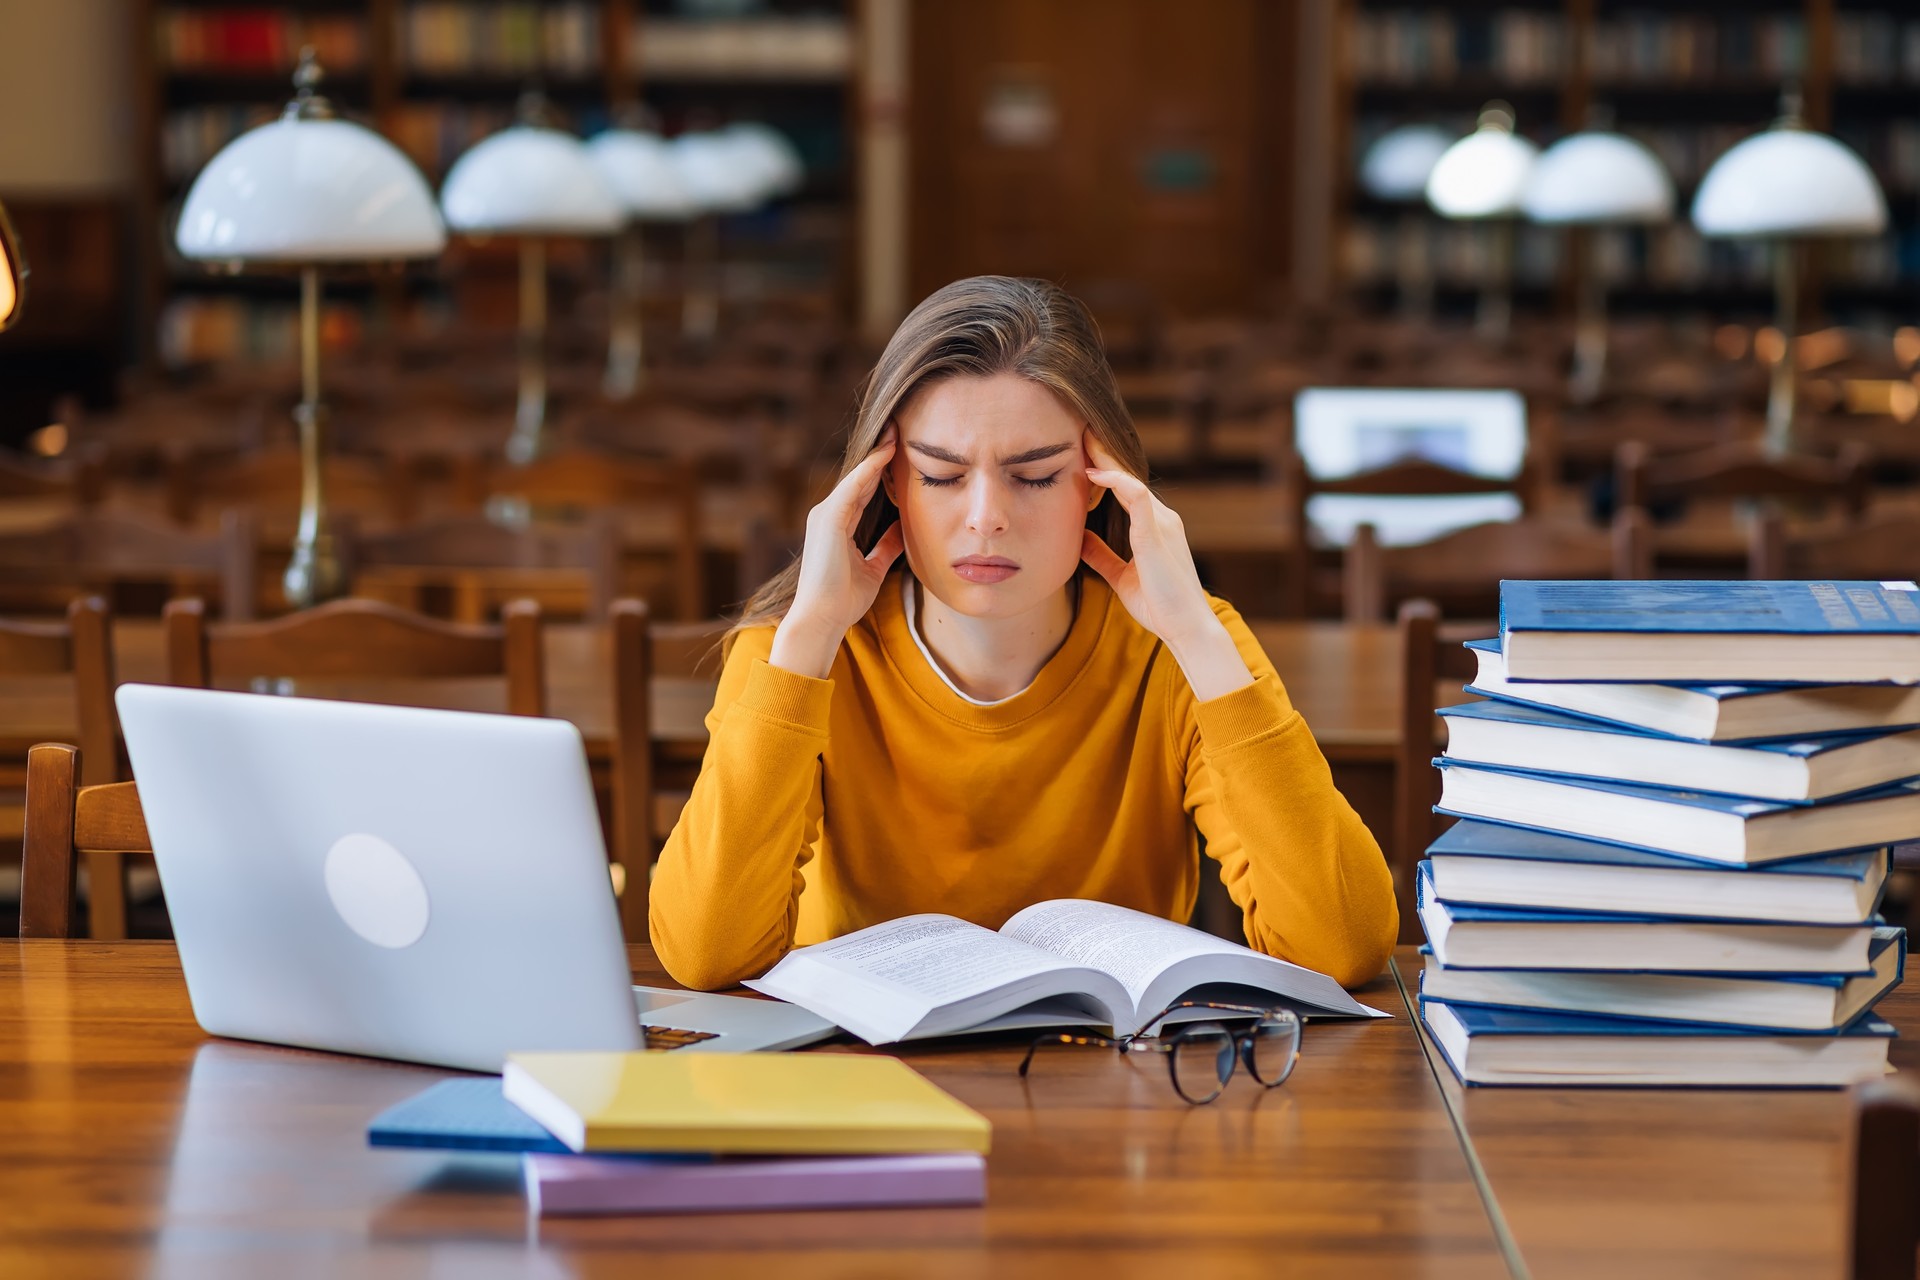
column 376, row 891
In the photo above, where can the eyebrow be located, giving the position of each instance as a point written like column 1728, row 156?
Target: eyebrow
column 1032, row 455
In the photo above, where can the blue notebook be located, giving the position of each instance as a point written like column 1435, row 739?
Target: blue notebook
column 1729, row 632
column 1487, row 1046
column 1473, row 838
column 462, row 1115
column 1752, row 831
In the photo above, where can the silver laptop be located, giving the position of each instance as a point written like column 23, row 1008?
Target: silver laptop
column 424, row 885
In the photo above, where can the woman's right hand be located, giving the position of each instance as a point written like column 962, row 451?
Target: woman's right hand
column 837, row 583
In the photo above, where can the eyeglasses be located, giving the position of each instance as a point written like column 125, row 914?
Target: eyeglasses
column 1200, row 1055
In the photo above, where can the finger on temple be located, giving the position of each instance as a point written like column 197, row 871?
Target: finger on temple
column 1099, row 556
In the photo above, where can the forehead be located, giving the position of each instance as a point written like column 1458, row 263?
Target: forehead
column 1003, row 410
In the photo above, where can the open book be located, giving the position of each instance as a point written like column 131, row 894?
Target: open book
column 1067, row 962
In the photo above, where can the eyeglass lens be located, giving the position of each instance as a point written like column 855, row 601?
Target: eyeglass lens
column 1272, row 1049
column 1202, row 1061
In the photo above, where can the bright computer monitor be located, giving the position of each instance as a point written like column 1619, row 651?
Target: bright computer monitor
column 1342, row 431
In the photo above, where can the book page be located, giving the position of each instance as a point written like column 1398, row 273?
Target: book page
column 935, row 957
column 1131, row 945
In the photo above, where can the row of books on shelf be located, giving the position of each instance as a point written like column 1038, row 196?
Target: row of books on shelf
column 1673, row 256
column 801, row 47
column 1698, row 48
column 1875, row 48
column 605, row 1133
column 191, row 136
column 1415, row 46
column 247, row 41
column 1660, row 880
column 204, row 329
column 434, row 134
column 452, row 37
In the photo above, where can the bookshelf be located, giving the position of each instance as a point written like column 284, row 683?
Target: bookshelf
column 1689, row 78
column 436, row 76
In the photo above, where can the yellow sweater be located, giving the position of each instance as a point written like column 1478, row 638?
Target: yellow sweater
column 825, row 806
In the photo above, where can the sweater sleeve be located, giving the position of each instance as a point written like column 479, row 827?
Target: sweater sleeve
column 725, row 896
column 1309, row 878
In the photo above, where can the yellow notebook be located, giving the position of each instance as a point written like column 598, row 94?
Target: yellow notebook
column 767, row 1103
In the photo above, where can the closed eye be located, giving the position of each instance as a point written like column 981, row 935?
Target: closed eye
column 1039, row 482
column 938, row 482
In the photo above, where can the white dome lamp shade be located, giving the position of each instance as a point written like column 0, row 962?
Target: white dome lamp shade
column 1595, row 179
column 638, row 167
column 1788, row 184
column 530, row 181
column 304, row 191
column 1483, row 177
column 1395, row 170
column 722, row 177
column 773, row 151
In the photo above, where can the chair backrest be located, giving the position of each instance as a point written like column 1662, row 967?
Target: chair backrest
column 1741, row 469
column 82, row 480
column 1464, row 568
column 81, row 647
column 483, row 562
column 98, row 552
column 359, row 639
column 1886, row 1180
column 65, row 822
column 1429, row 652
column 578, row 480
column 270, row 480
column 644, row 651
column 1883, row 547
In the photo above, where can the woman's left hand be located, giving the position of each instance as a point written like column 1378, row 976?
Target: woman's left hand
column 1159, row 586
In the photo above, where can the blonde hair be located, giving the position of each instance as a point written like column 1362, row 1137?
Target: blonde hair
column 977, row 328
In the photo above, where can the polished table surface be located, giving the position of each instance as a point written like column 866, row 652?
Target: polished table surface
column 135, row 1145
column 1344, row 678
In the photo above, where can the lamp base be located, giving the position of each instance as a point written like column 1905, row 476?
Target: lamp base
column 314, row 575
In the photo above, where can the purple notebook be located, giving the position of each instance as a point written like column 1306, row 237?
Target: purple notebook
column 560, row 1185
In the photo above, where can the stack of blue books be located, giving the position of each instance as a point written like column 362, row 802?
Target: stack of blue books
column 1662, row 877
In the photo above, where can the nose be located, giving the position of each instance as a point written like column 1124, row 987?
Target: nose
column 986, row 507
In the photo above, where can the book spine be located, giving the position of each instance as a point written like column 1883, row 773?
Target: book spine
column 577, row 1185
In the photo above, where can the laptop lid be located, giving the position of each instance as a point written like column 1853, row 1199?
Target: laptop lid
column 424, row 885
column 1341, row 431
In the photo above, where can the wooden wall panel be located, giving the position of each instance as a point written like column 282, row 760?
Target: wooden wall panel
column 1166, row 163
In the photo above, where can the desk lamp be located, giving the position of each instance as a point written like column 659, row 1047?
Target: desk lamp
column 304, row 191
column 529, row 181
column 638, row 167
column 1395, row 171
column 13, row 274
column 1787, row 185
column 1595, row 179
column 721, row 177
column 1481, row 178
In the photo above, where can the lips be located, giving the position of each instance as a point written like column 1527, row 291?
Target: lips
column 984, row 569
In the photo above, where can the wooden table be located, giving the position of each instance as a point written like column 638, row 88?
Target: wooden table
column 135, row 1145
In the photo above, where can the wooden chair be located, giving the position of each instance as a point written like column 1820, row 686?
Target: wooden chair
column 1884, row 547
column 1885, row 1224
column 577, row 481
column 80, row 647
column 268, row 481
column 647, row 798
column 1741, row 469
column 66, row 822
column 1429, row 652
column 1414, row 477
column 480, row 564
column 98, row 553
column 1463, row 569
column 358, row 640
column 81, row 481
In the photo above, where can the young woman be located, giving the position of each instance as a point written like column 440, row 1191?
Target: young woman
column 1041, row 703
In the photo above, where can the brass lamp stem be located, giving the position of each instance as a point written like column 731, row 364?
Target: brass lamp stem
column 700, row 312
column 1590, row 325
column 1780, row 394
column 313, row 574
column 529, row 440
column 623, row 337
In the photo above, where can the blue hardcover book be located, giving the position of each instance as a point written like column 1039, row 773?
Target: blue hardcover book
column 1475, row 937
column 1806, row 1003
column 1796, row 771
column 1513, row 1047
column 1727, row 632
column 1492, row 864
column 462, row 1115
column 1709, row 712
column 1692, row 824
